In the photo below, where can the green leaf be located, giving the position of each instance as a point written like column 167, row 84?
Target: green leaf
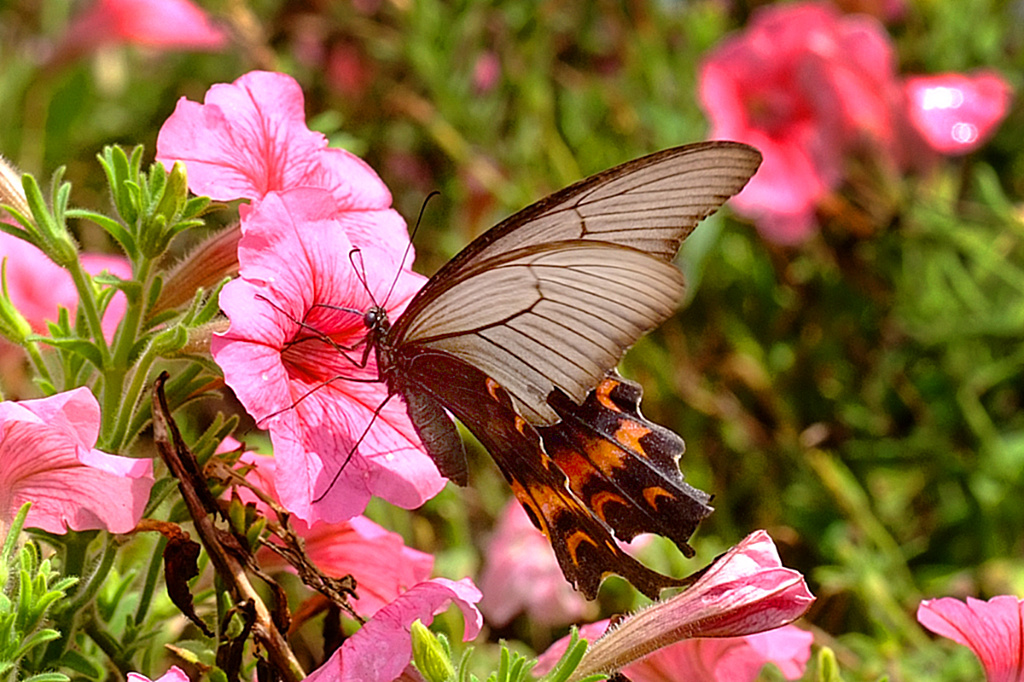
column 36, row 639
column 83, row 665
column 80, row 347
column 119, row 170
column 115, row 229
column 210, row 307
column 22, row 234
column 48, row 677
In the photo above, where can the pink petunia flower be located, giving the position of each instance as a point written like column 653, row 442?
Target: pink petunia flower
column 722, row 659
column 377, row 558
column 174, row 674
column 805, row 85
column 382, row 648
column 38, row 286
column 486, row 72
column 295, row 266
column 957, row 113
column 745, row 591
column 249, row 138
column 991, row 629
column 348, row 71
column 536, row 586
column 47, row 457
column 160, row 24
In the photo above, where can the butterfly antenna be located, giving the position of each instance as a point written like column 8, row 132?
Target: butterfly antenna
column 408, row 247
column 352, row 450
column 356, row 254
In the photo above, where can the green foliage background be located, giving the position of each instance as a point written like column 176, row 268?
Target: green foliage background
column 858, row 396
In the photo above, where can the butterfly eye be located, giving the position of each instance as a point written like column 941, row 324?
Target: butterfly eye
column 374, row 317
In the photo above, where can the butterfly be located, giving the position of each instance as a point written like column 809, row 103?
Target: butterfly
column 516, row 337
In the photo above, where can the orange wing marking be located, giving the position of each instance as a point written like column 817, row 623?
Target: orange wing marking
column 629, row 435
column 598, row 501
column 652, row 494
column 607, row 457
column 492, row 388
column 573, row 542
column 540, row 521
column 603, row 394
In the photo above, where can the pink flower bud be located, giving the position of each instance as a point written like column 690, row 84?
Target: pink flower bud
column 747, row 590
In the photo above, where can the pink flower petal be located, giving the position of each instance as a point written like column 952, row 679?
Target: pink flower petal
column 727, row 659
column 992, row 630
column 745, row 591
column 378, row 559
column 174, row 674
column 47, row 458
column 724, row 659
column 957, row 113
column 165, row 24
column 536, row 586
column 382, row 648
column 382, row 565
column 249, row 138
column 295, row 265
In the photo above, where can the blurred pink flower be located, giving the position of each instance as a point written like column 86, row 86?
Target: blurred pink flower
column 805, row 85
column 991, row 629
column 295, row 266
column 161, row 24
column 723, row 659
column 957, row 113
column 47, row 457
column 745, row 591
column 38, row 286
column 381, row 649
column 174, row 674
column 486, row 72
column 377, row 558
column 348, row 70
column 535, row 585
column 250, row 138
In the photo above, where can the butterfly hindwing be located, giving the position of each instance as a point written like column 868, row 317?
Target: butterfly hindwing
column 584, row 546
column 624, row 467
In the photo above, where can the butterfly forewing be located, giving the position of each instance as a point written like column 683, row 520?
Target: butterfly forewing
column 651, row 204
column 554, row 316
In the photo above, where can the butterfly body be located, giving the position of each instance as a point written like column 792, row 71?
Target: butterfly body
column 517, row 334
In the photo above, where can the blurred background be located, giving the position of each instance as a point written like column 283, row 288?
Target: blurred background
column 854, row 387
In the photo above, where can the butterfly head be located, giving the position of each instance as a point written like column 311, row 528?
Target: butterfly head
column 376, row 320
